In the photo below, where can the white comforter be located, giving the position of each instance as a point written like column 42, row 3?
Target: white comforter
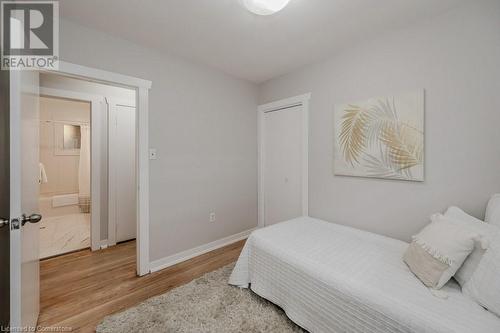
column 331, row 278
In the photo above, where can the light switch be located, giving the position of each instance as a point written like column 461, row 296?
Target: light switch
column 211, row 217
column 152, row 154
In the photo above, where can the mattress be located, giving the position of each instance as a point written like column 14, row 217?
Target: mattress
column 331, row 278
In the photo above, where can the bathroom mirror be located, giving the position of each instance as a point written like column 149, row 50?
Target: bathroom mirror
column 67, row 138
column 71, row 137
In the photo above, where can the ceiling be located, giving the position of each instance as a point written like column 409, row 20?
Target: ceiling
column 222, row 34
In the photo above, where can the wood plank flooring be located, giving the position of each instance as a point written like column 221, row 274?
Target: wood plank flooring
column 79, row 289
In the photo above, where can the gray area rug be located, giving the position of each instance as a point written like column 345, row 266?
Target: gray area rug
column 207, row 304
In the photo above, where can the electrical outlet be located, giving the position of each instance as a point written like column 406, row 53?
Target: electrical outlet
column 212, row 216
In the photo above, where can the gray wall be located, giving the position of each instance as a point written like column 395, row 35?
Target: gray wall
column 456, row 58
column 203, row 125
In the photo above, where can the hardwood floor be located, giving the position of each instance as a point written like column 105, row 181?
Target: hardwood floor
column 79, row 289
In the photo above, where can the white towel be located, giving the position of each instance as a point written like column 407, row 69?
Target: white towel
column 42, row 177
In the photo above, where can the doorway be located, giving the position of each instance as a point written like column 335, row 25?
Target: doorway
column 283, row 160
column 88, row 164
column 24, row 174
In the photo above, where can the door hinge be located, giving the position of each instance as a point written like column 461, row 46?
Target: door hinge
column 15, row 224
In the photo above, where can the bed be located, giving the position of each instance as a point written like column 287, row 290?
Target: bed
column 332, row 278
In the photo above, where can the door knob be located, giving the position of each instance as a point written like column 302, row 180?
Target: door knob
column 33, row 218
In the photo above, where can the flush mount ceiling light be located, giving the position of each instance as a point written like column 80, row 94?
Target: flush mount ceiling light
column 265, row 7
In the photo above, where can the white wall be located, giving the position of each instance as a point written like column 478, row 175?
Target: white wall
column 203, row 124
column 456, row 58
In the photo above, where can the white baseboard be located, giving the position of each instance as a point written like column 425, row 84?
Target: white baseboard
column 104, row 244
column 163, row 263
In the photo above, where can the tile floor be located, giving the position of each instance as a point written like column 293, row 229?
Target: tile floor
column 63, row 234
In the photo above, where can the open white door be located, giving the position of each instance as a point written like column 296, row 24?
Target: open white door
column 24, row 188
column 122, row 173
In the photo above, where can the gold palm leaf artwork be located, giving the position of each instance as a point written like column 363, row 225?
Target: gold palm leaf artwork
column 381, row 137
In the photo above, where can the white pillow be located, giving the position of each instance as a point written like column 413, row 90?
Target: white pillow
column 438, row 251
column 457, row 213
column 474, row 225
column 493, row 210
column 484, row 285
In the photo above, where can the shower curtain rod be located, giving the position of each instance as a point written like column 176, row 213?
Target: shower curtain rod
column 68, row 122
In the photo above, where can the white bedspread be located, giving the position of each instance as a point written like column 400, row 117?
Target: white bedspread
column 331, row 278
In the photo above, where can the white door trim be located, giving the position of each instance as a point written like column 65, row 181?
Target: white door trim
column 100, row 75
column 95, row 152
column 141, row 87
column 301, row 100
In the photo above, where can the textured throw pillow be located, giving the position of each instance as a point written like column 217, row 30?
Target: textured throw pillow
column 438, row 251
column 484, row 285
column 493, row 210
column 474, row 225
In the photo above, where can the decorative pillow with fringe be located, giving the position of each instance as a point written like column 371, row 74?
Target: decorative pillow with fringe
column 438, row 251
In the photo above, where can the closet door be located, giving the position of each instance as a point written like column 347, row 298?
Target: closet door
column 282, row 165
column 122, row 172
